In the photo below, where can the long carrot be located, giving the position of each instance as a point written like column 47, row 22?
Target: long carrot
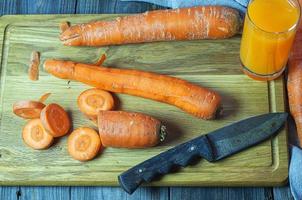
column 129, row 130
column 203, row 22
column 191, row 98
column 294, row 82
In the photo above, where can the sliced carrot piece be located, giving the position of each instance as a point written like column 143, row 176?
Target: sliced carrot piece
column 55, row 120
column 35, row 135
column 93, row 100
column 63, row 26
column 33, row 70
column 84, row 144
column 44, row 97
column 28, row 109
column 101, row 60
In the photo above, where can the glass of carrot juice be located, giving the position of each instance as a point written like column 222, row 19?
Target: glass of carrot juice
column 268, row 34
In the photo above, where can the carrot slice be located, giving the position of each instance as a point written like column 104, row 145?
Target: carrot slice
column 55, row 120
column 84, row 144
column 93, row 100
column 44, row 97
column 33, row 70
column 28, row 109
column 64, row 26
column 35, row 135
column 101, row 60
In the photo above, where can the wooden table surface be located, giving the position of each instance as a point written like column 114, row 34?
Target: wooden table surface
column 163, row 193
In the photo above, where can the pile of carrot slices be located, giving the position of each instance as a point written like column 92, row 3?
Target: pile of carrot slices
column 116, row 128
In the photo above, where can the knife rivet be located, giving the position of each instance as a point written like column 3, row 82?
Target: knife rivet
column 192, row 148
column 140, row 170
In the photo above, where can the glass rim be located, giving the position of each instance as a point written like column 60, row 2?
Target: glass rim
column 294, row 26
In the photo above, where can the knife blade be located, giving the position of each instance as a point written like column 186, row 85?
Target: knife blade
column 213, row 146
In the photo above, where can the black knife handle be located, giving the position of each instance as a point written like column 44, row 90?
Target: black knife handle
column 180, row 155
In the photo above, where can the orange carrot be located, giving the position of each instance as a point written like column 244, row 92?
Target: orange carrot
column 33, row 70
column 35, row 136
column 55, row 120
column 84, row 144
column 129, row 130
column 191, row 98
column 44, row 97
column 294, row 82
column 101, row 60
column 203, row 22
column 28, row 109
column 92, row 100
column 64, row 26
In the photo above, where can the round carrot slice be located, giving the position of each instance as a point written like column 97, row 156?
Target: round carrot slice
column 35, row 135
column 55, row 120
column 84, row 144
column 28, row 109
column 92, row 100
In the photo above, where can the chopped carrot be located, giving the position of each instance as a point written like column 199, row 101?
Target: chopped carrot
column 55, row 120
column 28, row 109
column 202, row 22
column 44, row 97
column 33, row 70
column 101, row 60
column 129, row 130
column 92, row 100
column 194, row 99
column 84, row 144
column 35, row 135
column 64, row 26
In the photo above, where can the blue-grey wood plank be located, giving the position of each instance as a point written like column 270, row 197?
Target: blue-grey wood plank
column 219, row 193
column 37, row 6
column 47, row 193
column 113, row 6
column 282, row 193
column 104, row 193
column 9, row 193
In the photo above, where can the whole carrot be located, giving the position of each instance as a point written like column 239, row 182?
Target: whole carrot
column 191, row 98
column 203, row 22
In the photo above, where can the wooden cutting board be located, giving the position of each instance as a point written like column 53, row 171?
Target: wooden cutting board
column 211, row 63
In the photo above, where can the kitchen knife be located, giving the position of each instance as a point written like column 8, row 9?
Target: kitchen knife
column 213, row 146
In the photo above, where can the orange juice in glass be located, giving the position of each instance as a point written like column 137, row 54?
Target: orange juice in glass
column 268, row 34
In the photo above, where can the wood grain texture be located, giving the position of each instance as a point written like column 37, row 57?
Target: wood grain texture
column 221, row 193
column 281, row 193
column 104, row 193
column 112, row 6
column 9, row 193
column 37, row 193
column 242, row 97
column 37, row 6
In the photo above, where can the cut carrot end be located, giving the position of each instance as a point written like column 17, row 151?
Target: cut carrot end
column 33, row 70
column 28, row 109
column 84, row 144
column 35, row 135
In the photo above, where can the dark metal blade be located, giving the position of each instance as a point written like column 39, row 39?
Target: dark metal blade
column 245, row 133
